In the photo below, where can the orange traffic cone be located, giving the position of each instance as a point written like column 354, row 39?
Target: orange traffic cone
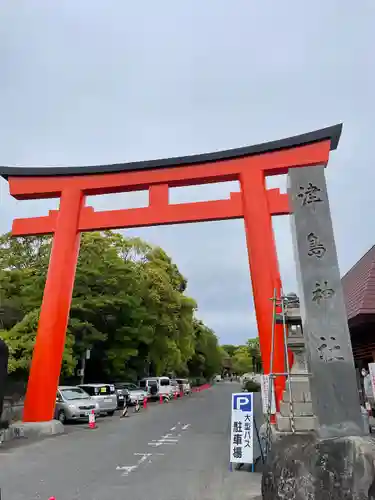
column 161, row 399
column 145, row 402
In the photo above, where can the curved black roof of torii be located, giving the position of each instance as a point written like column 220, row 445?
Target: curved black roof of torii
column 330, row 133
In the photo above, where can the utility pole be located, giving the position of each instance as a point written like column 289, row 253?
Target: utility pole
column 85, row 357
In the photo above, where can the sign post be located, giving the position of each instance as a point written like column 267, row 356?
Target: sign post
column 241, row 436
column 266, row 389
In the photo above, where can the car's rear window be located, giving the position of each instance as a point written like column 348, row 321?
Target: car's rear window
column 144, row 383
column 103, row 390
column 73, row 393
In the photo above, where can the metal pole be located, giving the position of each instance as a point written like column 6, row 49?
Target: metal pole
column 273, row 327
column 83, row 367
column 270, row 377
column 292, row 423
column 272, row 350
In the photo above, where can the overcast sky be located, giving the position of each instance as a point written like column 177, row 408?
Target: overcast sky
column 92, row 82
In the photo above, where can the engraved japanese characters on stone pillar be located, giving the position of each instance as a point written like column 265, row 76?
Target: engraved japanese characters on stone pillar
column 334, row 393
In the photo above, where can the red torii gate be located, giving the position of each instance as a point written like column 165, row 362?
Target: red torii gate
column 256, row 204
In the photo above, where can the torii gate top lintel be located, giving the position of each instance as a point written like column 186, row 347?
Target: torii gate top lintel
column 331, row 134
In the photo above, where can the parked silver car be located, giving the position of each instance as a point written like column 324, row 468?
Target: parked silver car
column 135, row 393
column 103, row 394
column 73, row 403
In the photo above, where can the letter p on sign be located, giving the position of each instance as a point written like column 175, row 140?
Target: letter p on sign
column 242, row 403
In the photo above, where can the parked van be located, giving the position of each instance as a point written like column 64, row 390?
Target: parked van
column 184, row 385
column 157, row 386
column 104, row 394
column 149, row 385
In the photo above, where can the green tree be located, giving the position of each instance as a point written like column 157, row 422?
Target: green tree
column 129, row 307
column 207, row 358
column 241, row 360
column 230, row 349
column 254, row 352
column 21, row 339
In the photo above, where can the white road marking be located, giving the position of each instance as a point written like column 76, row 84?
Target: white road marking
column 161, row 441
column 149, row 454
column 144, row 456
column 155, row 444
column 126, row 468
column 168, row 437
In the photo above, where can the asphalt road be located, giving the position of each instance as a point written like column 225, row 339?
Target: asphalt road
column 174, row 451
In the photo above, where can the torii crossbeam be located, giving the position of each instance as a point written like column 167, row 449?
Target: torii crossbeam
column 250, row 165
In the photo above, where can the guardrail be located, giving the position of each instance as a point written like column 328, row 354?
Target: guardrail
column 201, row 388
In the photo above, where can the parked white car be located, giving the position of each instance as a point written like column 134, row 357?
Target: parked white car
column 157, row 386
column 184, row 384
column 175, row 389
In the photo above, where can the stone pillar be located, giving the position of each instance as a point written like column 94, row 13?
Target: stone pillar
column 335, row 399
column 336, row 460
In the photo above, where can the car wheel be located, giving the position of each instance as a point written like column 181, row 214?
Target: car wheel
column 111, row 413
column 62, row 417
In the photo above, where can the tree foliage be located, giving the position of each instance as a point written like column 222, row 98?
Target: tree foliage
column 129, row 307
column 243, row 358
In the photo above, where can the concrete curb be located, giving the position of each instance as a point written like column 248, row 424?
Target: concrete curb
column 33, row 430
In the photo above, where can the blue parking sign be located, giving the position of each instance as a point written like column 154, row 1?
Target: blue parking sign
column 243, row 402
column 241, row 438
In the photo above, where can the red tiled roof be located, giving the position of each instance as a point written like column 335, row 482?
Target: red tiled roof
column 359, row 286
